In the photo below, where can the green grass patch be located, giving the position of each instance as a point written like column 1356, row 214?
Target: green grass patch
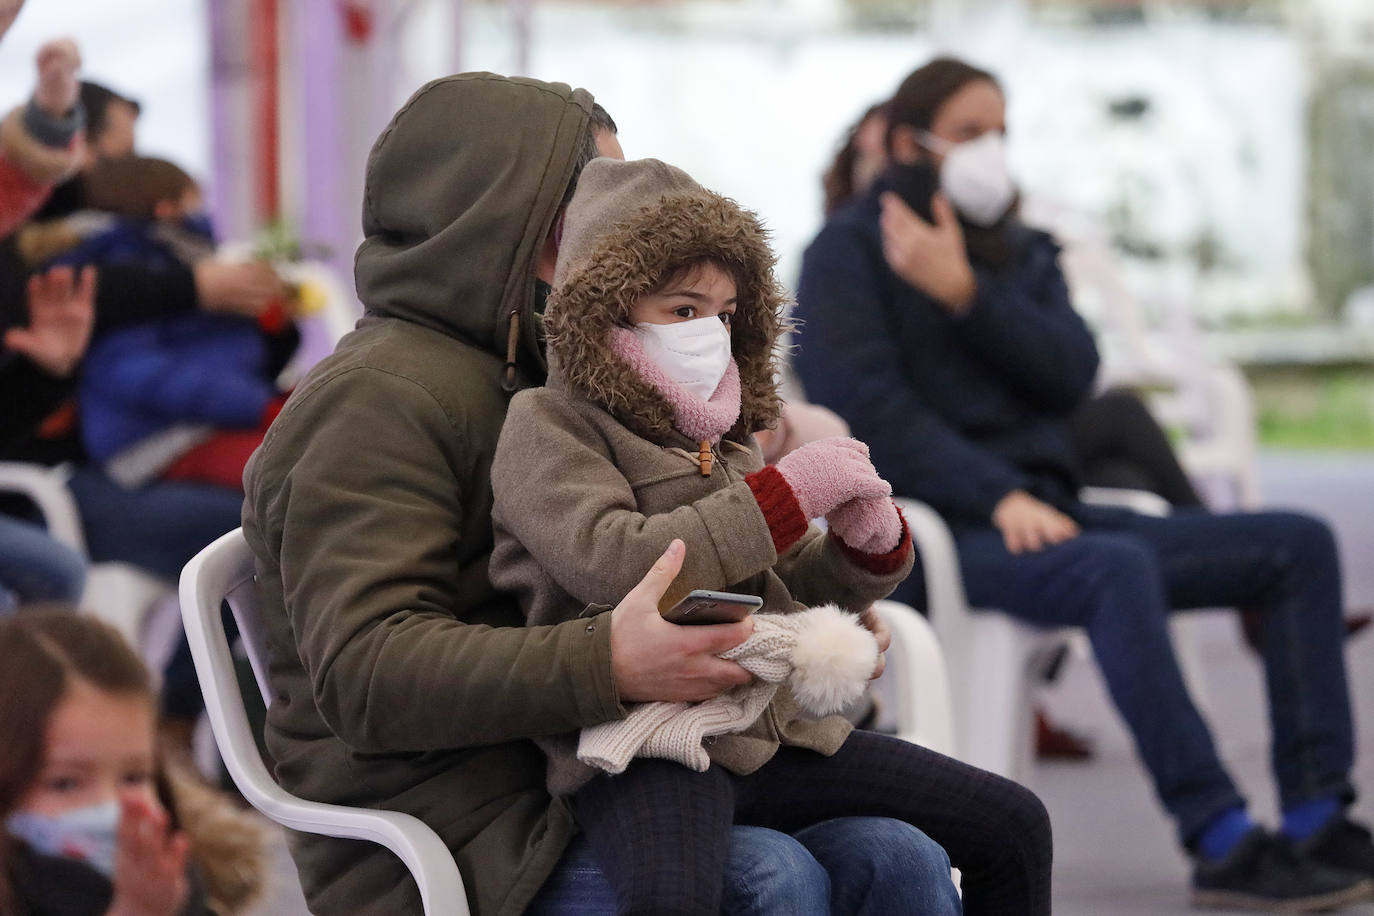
column 1317, row 410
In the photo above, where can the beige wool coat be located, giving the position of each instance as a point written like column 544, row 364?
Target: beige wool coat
column 591, row 481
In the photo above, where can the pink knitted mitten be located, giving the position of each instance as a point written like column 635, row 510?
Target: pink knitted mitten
column 868, row 525
column 828, row 473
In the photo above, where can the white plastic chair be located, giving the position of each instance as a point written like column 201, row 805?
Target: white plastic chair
column 916, row 682
column 222, row 572
column 997, row 662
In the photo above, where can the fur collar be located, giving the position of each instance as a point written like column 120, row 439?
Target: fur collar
column 630, row 259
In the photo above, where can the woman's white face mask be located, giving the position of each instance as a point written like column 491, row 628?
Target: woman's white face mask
column 694, row 354
column 975, row 176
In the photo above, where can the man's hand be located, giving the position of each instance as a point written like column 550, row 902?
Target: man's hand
column 246, row 288
column 61, row 315
column 878, row 627
column 654, row 660
column 1028, row 525
column 150, row 861
column 929, row 257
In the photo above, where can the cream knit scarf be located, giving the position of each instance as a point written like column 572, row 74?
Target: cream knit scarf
column 823, row 653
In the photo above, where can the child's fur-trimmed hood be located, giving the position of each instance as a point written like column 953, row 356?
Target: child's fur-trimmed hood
column 630, row 226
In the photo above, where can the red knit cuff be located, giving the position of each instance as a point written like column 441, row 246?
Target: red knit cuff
column 880, row 564
column 781, row 511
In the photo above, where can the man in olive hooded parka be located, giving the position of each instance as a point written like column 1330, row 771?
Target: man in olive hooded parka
column 368, row 508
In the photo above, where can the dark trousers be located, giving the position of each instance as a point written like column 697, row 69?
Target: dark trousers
column 660, row 831
column 1120, row 578
column 1120, row 444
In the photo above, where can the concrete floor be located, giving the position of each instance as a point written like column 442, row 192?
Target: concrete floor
column 1115, row 853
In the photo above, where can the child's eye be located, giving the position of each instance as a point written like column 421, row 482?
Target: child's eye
column 685, row 312
column 727, row 318
column 137, row 778
column 63, row 784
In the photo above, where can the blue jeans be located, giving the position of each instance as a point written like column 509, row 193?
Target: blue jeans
column 157, row 527
column 1120, row 578
column 847, row 865
column 34, row 567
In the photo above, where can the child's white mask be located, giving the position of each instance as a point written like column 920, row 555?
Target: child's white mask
column 694, row 354
column 85, row 834
column 974, row 176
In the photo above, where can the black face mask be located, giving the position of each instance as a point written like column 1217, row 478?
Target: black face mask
column 542, row 291
column 915, row 184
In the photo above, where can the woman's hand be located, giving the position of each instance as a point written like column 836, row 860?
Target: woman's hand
column 1029, row 525
column 929, row 257
column 654, row 660
column 61, row 316
column 246, row 288
column 150, row 861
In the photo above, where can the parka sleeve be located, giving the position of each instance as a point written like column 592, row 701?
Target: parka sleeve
column 852, row 362
column 558, row 493
column 367, row 524
column 1032, row 338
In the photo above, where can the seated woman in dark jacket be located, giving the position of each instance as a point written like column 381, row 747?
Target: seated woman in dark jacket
column 940, row 329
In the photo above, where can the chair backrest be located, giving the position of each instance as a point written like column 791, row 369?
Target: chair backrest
column 224, row 571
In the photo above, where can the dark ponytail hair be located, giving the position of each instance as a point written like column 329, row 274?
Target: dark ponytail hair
column 838, row 181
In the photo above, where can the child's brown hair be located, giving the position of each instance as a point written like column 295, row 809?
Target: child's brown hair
column 133, row 186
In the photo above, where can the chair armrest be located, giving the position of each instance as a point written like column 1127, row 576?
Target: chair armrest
column 945, row 599
column 47, row 489
column 1142, row 501
column 920, row 687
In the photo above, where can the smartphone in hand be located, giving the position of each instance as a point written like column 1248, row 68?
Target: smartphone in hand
column 705, row 606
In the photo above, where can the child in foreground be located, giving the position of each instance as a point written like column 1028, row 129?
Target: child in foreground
column 92, row 823
column 660, row 332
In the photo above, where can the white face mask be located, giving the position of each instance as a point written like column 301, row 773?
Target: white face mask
column 974, row 176
column 694, row 354
column 85, row 834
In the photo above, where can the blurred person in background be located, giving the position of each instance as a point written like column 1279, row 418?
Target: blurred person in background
column 185, row 396
column 37, row 361
column 94, row 822
column 158, row 526
column 940, row 329
column 42, row 142
column 111, row 120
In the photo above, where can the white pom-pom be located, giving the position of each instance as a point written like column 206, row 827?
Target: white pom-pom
column 834, row 657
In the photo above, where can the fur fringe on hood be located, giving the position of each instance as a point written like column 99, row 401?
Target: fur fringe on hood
column 612, row 262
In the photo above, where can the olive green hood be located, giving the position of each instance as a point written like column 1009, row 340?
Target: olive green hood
column 461, row 189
